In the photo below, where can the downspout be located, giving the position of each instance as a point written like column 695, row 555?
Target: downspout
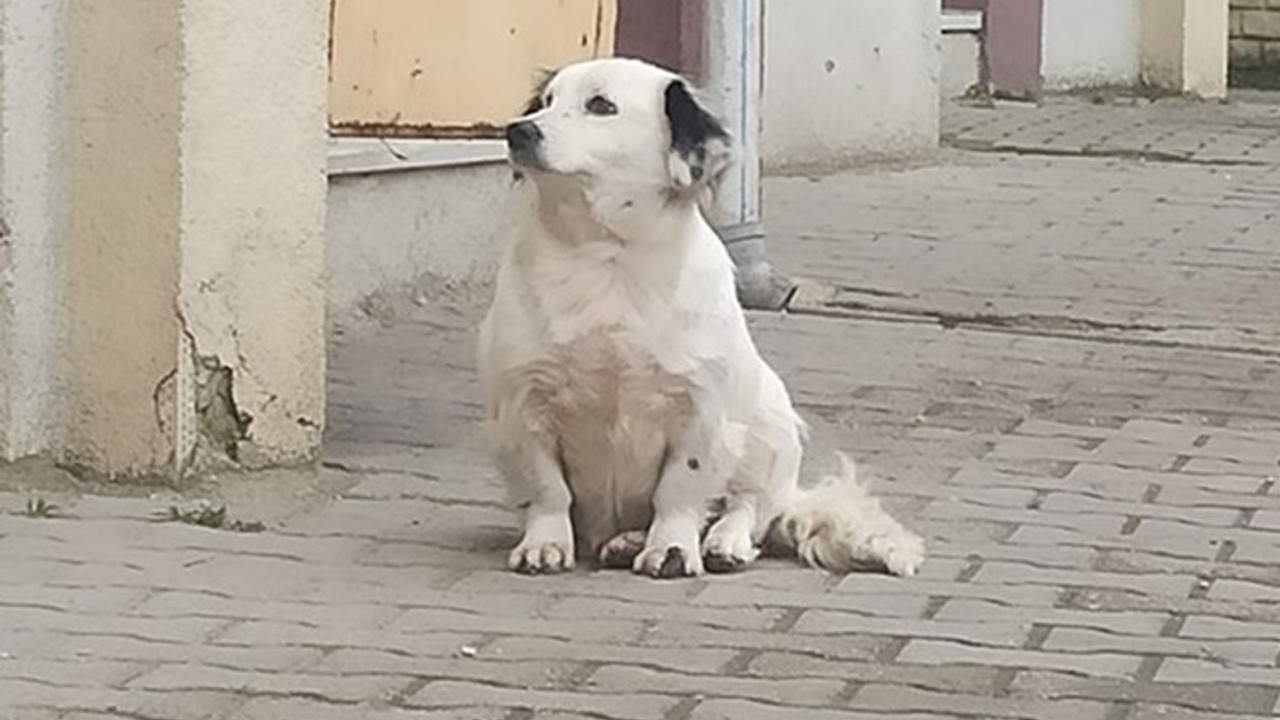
column 732, row 72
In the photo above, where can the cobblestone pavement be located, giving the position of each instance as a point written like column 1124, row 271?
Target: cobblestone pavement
column 1062, row 385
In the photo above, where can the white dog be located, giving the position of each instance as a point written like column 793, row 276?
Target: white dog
column 627, row 402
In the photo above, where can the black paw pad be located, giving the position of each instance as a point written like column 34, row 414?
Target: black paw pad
column 527, row 568
column 619, row 556
column 717, row 563
column 673, row 564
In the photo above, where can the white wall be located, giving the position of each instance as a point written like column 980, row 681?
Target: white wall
column 1089, row 43
column 31, row 187
column 848, row 81
column 389, row 230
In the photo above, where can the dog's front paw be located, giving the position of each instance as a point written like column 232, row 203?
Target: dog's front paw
column 547, row 546
column 541, row 558
column 672, row 561
column 727, row 550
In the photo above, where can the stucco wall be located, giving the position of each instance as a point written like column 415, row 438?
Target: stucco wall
column 194, row 245
column 31, row 224
column 384, row 236
column 122, row 244
column 1090, row 43
column 1184, row 45
column 253, row 152
column 847, row 81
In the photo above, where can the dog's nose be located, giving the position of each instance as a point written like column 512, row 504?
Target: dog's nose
column 523, row 135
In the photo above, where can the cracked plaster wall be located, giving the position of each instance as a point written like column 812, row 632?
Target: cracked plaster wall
column 252, row 263
column 195, row 244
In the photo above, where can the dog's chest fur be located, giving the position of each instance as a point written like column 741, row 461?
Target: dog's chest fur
column 617, row 390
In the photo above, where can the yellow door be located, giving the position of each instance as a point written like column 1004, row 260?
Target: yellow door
column 439, row 68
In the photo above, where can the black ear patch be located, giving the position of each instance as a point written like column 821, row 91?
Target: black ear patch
column 540, row 89
column 698, row 141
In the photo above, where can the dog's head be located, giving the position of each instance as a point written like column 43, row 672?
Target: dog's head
column 619, row 122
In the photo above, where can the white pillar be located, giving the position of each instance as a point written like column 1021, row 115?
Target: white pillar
column 1184, row 46
column 31, row 225
column 732, row 72
column 196, row 139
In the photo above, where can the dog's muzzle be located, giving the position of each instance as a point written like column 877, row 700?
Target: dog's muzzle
column 523, row 140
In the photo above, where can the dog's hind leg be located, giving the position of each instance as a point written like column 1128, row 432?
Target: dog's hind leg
column 763, row 485
column 620, row 552
column 728, row 545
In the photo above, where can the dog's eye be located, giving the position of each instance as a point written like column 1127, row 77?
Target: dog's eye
column 601, row 105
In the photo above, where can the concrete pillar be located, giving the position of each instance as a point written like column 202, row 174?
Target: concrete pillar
column 196, row 194
column 1184, row 46
column 732, row 71
column 32, row 224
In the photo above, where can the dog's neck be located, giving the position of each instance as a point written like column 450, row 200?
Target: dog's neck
column 624, row 215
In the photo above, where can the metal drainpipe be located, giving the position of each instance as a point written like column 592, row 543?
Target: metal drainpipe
column 732, row 69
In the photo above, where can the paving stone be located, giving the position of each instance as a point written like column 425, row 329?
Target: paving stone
column 1212, row 516
column 331, row 615
column 792, row 692
column 471, row 664
column 1221, row 628
column 844, row 648
column 1180, row 670
column 34, row 697
column 896, row 698
column 949, row 678
column 1173, row 712
column 1233, row 652
column 257, row 657
column 1004, row 573
column 995, row 634
column 441, row 643
column 79, row 671
column 1061, row 556
column 942, row 652
column 737, row 709
column 902, row 605
column 332, row 688
column 1120, row 623
column 755, row 617
column 625, row 706
column 1216, row 697
column 296, row 708
column 1019, row 595
column 694, row 660
column 1246, row 591
column 440, row 619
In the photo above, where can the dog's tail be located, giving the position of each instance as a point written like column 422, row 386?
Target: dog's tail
column 839, row 526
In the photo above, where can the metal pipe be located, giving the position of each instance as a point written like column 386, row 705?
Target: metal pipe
column 732, row 71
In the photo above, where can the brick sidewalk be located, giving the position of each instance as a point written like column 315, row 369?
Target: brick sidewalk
column 1100, row 503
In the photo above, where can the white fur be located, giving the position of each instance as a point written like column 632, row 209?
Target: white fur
column 622, row 387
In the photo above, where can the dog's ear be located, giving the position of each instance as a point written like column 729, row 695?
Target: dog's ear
column 540, row 88
column 700, row 147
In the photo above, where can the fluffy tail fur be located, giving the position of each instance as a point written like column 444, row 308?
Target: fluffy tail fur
column 839, row 526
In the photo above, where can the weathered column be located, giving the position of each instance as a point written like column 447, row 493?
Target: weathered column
column 196, row 194
column 1184, row 46
column 731, row 76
